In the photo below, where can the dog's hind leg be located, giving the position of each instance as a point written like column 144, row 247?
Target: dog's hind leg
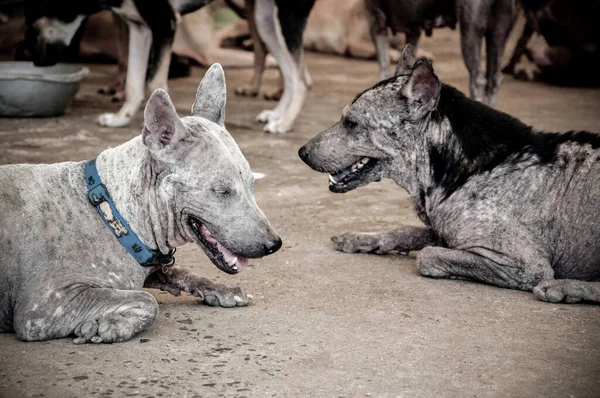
column 140, row 39
column 260, row 54
column 99, row 315
column 175, row 280
column 495, row 43
column 280, row 119
column 403, row 240
column 117, row 88
column 484, row 265
column 567, row 290
column 379, row 33
column 471, row 36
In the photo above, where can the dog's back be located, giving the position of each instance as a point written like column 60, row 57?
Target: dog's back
column 540, row 187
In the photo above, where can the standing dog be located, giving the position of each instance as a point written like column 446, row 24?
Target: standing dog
column 277, row 27
column 74, row 267
column 501, row 203
column 53, row 24
column 491, row 19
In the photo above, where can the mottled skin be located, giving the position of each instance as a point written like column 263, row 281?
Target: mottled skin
column 62, row 270
column 501, row 203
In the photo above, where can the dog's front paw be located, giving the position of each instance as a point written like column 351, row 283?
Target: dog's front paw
column 223, row 296
column 357, row 242
column 278, row 126
column 113, row 120
column 87, row 331
column 560, row 290
column 110, row 328
column 266, row 116
column 246, row 91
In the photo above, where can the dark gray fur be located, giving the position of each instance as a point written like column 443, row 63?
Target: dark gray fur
column 501, row 203
column 491, row 20
column 62, row 270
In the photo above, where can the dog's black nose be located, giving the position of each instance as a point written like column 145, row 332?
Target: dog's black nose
column 272, row 246
column 303, row 153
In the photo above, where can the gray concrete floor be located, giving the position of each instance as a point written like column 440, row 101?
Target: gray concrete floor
column 324, row 323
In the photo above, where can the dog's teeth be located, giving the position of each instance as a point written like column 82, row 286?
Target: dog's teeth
column 233, row 262
column 234, row 268
column 332, row 180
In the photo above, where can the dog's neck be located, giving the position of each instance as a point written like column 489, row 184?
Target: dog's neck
column 129, row 174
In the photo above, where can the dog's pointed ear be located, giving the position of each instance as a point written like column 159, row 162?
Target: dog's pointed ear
column 162, row 127
column 423, row 86
column 406, row 62
column 211, row 96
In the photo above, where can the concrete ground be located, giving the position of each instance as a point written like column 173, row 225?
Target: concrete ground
column 324, row 323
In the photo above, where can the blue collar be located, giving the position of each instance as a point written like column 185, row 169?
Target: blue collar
column 100, row 198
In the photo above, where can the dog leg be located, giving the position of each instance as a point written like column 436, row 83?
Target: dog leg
column 117, row 89
column 140, row 39
column 379, row 33
column 520, row 49
column 495, row 43
column 486, row 266
column 301, row 66
column 175, row 280
column 567, row 290
column 403, row 240
column 280, row 119
column 471, row 35
column 275, row 94
column 260, row 54
column 161, row 76
column 99, row 315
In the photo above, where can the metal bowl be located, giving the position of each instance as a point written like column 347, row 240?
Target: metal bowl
column 27, row 90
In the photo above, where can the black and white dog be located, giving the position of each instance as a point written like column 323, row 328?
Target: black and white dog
column 52, row 24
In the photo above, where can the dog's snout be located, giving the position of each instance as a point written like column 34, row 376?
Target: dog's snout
column 304, row 153
column 272, row 246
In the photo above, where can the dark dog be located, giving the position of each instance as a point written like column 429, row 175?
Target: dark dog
column 569, row 28
column 52, row 24
column 277, row 27
column 491, row 19
column 501, row 203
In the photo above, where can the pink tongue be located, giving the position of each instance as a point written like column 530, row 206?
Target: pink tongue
column 228, row 256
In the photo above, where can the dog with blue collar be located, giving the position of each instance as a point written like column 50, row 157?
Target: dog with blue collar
column 76, row 257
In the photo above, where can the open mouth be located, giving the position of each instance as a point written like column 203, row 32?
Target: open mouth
column 352, row 176
column 226, row 260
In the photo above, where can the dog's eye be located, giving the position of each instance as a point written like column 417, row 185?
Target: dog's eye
column 349, row 124
column 222, row 192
